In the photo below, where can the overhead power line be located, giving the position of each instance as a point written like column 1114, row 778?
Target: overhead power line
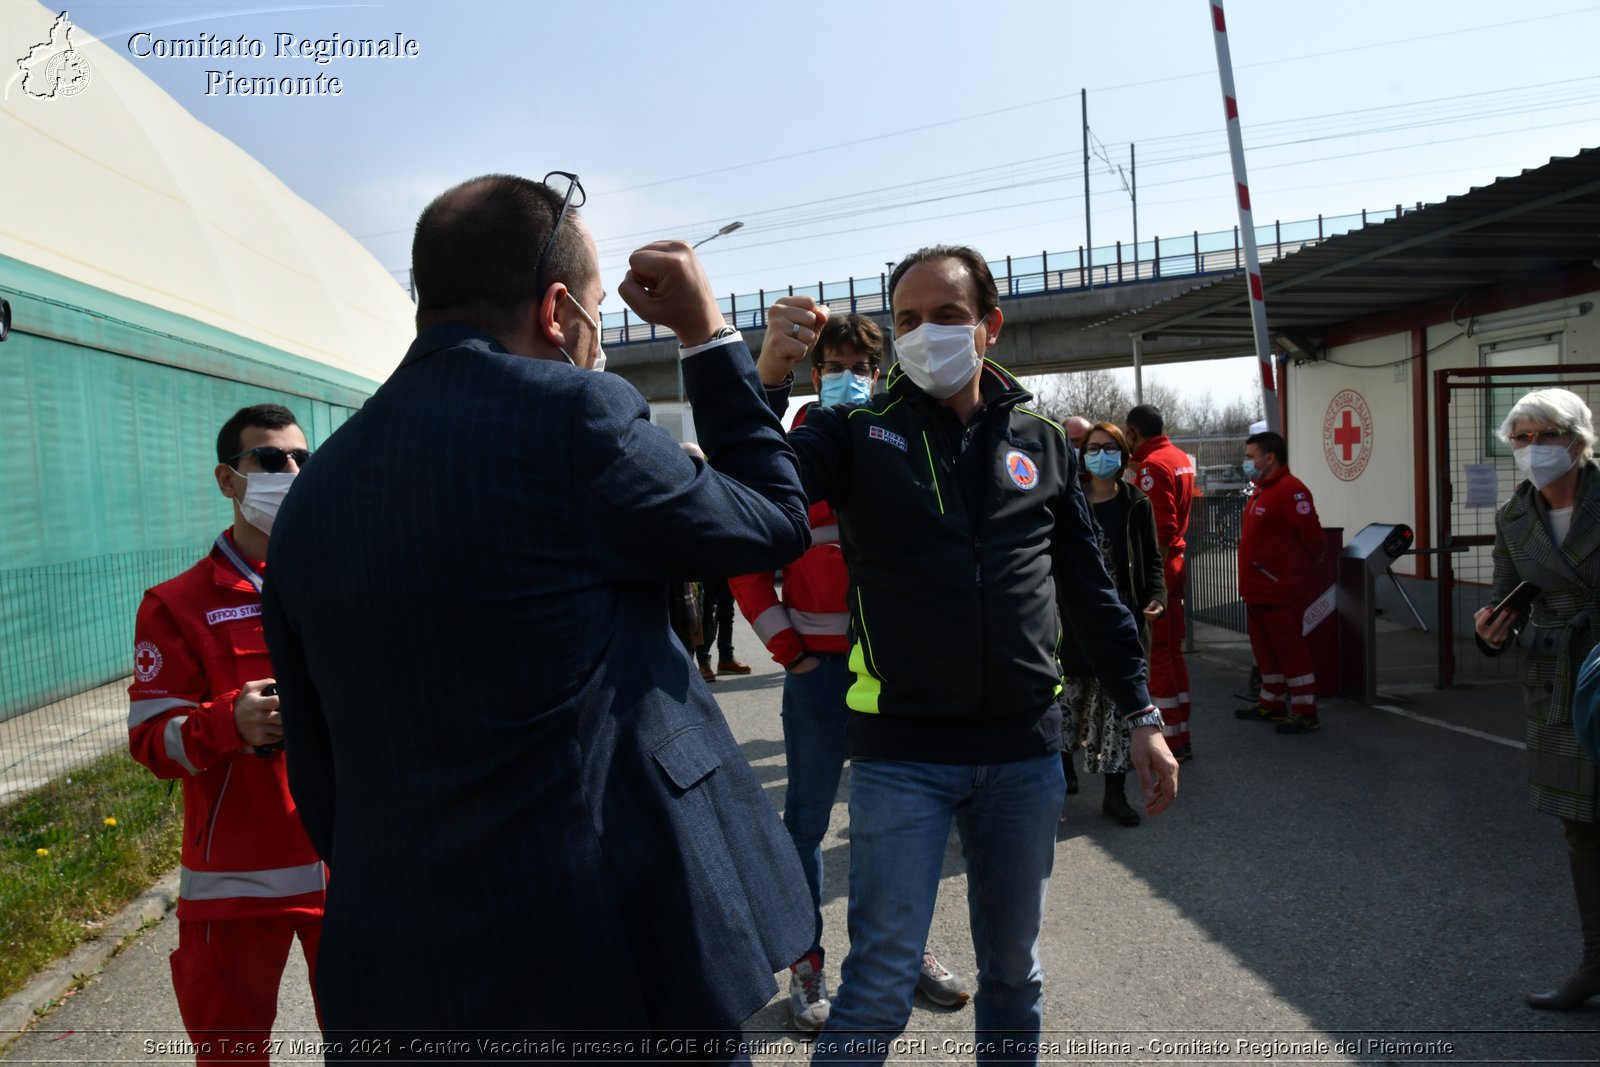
column 878, row 137
column 1078, row 196
column 1055, row 167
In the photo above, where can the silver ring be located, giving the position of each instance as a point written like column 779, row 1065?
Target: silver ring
column 794, row 329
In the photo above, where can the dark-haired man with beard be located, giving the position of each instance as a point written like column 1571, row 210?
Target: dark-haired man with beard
column 970, row 548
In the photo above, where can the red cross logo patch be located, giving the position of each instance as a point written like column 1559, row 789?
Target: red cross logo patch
column 1347, row 435
column 146, row 661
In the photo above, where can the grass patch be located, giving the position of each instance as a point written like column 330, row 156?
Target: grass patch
column 89, row 870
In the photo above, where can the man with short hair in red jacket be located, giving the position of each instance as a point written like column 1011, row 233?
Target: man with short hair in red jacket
column 1280, row 541
column 1166, row 475
column 203, row 710
column 808, row 633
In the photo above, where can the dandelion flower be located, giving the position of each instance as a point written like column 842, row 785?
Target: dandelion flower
column 110, row 821
column 41, row 852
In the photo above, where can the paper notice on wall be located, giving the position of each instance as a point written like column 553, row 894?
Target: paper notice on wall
column 1483, row 484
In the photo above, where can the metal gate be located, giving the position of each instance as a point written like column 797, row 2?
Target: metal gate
column 1476, row 475
column 1211, row 558
column 1211, row 561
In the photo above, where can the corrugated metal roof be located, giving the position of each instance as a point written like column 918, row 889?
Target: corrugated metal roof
column 1539, row 221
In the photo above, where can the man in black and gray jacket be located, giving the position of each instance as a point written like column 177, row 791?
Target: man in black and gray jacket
column 972, row 557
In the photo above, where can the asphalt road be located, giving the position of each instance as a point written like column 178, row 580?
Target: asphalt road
column 1380, row 892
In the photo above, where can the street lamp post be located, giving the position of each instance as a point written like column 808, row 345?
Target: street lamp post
column 729, row 228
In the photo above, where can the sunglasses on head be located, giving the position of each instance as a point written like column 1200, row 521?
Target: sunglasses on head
column 273, row 459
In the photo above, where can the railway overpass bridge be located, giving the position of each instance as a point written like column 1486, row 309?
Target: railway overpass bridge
column 1060, row 308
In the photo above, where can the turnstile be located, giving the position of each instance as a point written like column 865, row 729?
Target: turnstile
column 1370, row 553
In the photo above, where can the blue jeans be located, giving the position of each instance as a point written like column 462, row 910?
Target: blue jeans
column 900, row 815
column 814, row 722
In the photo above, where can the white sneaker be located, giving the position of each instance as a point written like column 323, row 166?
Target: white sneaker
column 808, row 995
column 939, row 985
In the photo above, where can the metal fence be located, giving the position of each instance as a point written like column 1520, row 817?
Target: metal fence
column 1190, row 255
column 1211, row 558
column 1211, row 561
column 67, row 635
column 1470, row 405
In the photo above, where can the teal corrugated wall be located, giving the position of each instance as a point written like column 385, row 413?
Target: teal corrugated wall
column 109, row 412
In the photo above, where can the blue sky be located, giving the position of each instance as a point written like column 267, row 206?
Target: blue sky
column 846, row 134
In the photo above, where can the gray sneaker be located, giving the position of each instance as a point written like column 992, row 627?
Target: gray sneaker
column 808, row 995
column 939, row 985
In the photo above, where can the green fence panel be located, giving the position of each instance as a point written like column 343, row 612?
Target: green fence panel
column 109, row 412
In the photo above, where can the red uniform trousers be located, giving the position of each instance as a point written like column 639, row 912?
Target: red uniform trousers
column 226, row 973
column 1288, row 674
column 1169, row 674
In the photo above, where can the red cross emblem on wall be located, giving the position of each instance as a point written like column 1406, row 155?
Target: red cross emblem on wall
column 1347, row 435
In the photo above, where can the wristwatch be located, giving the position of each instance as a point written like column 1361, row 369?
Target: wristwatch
column 726, row 331
column 1149, row 717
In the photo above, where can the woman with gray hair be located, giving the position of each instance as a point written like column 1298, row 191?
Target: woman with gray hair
column 1548, row 535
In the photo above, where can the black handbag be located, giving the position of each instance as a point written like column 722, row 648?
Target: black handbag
column 683, row 609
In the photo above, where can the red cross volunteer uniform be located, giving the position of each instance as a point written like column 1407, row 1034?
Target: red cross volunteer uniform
column 1280, row 540
column 250, row 880
column 1166, row 475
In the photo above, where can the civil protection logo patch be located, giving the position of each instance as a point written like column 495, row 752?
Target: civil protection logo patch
column 1024, row 471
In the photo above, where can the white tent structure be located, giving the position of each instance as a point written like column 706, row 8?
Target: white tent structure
column 110, row 182
column 159, row 280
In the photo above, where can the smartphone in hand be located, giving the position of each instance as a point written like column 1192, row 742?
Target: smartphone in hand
column 277, row 746
column 1518, row 601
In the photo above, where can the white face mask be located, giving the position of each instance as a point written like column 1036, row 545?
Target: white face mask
column 263, row 495
column 599, row 363
column 938, row 359
column 1543, row 464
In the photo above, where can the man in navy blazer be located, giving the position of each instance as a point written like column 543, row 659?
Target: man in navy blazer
column 537, row 824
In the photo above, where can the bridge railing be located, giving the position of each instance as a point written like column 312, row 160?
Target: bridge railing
column 1194, row 255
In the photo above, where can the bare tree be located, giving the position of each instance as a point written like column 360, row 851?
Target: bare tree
column 1099, row 396
column 1093, row 394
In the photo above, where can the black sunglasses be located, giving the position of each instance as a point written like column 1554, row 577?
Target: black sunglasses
column 272, row 458
column 572, row 196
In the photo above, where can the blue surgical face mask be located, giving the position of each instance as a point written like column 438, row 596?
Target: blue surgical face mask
column 1250, row 470
column 1103, row 464
column 843, row 387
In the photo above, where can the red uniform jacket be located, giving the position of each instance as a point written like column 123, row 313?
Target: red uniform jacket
column 1166, row 474
column 198, row 639
column 1279, row 541
column 814, row 614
